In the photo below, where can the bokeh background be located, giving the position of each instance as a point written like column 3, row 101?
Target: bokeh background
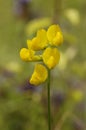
column 23, row 106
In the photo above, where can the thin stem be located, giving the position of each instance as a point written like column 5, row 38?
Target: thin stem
column 49, row 112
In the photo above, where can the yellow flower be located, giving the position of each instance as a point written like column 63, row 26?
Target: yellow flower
column 54, row 35
column 39, row 42
column 39, row 75
column 51, row 57
column 29, row 55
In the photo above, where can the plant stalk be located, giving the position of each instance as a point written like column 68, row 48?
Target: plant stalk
column 49, row 111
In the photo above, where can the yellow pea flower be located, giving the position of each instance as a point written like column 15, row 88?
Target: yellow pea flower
column 39, row 42
column 51, row 57
column 25, row 54
column 54, row 35
column 39, row 75
column 29, row 55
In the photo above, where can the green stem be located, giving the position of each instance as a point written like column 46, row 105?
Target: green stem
column 49, row 112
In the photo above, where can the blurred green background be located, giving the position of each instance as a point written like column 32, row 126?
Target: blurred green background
column 23, row 106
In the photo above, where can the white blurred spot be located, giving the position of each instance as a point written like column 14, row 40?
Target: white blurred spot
column 73, row 16
column 65, row 57
column 13, row 66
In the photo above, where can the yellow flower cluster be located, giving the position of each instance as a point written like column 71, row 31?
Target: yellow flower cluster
column 46, row 42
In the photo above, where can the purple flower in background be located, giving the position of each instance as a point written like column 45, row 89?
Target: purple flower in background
column 24, row 1
column 26, row 86
column 58, row 98
column 7, row 73
column 20, row 7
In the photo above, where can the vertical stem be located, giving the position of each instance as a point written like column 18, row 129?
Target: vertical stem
column 49, row 112
column 57, row 11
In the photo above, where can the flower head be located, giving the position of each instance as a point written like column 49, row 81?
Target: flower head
column 51, row 57
column 46, row 42
column 39, row 75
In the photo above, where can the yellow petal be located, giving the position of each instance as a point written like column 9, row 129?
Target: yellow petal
column 40, row 41
column 54, row 35
column 25, row 54
column 51, row 62
column 42, row 35
column 29, row 43
column 37, row 58
column 35, row 44
column 39, row 75
column 58, row 39
column 29, row 55
column 51, row 57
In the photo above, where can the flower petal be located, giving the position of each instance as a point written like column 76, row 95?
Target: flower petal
column 58, row 39
column 29, row 55
column 39, row 75
column 51, row 57
column 29, row 43
column 40, row 41
column 25, row 54
column 42, row 35
column 54, row 35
